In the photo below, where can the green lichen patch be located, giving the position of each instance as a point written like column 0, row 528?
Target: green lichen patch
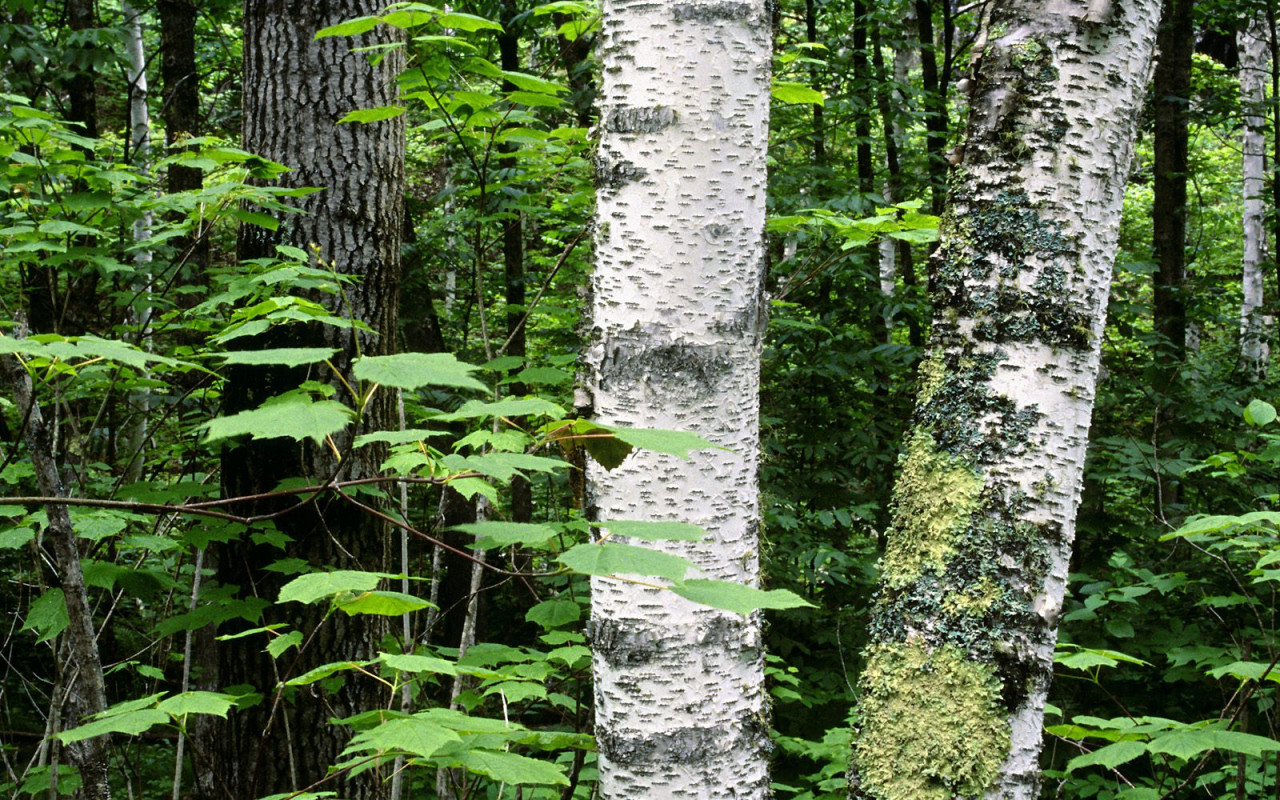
column 981, row 595
column 984, row 255
column 933, row 499
column 966, row 418
column 973, row 600
column 932, row 373
column 932, row 725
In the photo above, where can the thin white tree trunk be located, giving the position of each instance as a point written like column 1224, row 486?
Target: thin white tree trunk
column 140, row 144
column 1255, row 69
column 973, row 576
column 678, row 309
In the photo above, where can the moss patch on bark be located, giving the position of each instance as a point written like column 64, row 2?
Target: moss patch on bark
column 932, row 725
column 933, row 499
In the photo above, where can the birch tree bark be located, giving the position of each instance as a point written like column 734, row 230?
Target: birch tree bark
column 975, row 569
column 678, row 314
column 1254, row 69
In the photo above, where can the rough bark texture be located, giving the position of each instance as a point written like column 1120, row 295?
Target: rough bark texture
column 295, row 90
column 975, row 569
column 81, row 688
column 678, row 314
column 64, row 299
column 1254, row 70
column 1172, row 89
column 935, row 101
column 180, row 109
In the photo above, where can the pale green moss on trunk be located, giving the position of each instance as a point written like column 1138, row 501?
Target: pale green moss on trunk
column 935, row 711
column 933, row 499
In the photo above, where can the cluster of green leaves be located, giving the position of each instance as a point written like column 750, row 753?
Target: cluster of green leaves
column 1205, row 632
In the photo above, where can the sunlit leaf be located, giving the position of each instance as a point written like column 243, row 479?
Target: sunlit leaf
column 415, row 370
column 736, row 597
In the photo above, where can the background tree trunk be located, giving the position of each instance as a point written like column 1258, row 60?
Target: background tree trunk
column 295, row 90
column 180, row 110
column 1254, row 69
column 679, row 312
column 1172, row 89
column 80, row 689
column 972, row 579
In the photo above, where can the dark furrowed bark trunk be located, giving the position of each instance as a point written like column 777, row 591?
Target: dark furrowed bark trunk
column 1172, row 89
column 63, row 299
column 295, row 90
column 513, row 257
column 180, row 108
column 1175, row 43
column 935, row 103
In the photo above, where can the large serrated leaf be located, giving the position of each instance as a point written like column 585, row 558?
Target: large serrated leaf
column 512, row 768
column 413, row 735
column 467, row 22
column 737, row 597
column 130, row 723
column 512, row 407
column 406, row 662
column 673, row 443
column 295, row 416
column 505, row 534
column 1187, row 744
column 319, row 585
column 613, row 558
column 186, row 703
column 652, row 530
column 796, row 93
column 554, row 613
column 1109, row 757
column 378, row 114
column 415, row 370
column 284, row 356
column 324, row 671
column 383, row 604
column 1259, row 413
column 352, row 27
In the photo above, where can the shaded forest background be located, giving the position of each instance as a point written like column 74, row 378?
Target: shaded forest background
column 119, row 254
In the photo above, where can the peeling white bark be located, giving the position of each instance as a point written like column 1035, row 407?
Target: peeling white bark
column 678, row 309
column 1022, row 277
column 1255, row 69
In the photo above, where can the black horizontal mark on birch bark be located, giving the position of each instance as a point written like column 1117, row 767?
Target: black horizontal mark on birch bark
column 614, row 175
column 630, row 643
column 711, row 12
column 639, row 120
column 681, row 745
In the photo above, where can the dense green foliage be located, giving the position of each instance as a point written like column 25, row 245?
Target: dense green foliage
column 1169, row 650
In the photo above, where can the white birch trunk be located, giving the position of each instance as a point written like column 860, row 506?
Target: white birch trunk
column 678, row 310
column 975, row 569
column 1255, row 69
column 140, row 144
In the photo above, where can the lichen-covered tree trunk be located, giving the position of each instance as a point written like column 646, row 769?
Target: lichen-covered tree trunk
column 295, row 90
column 975, row 568
column 678, row 314
column 1254, row 70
